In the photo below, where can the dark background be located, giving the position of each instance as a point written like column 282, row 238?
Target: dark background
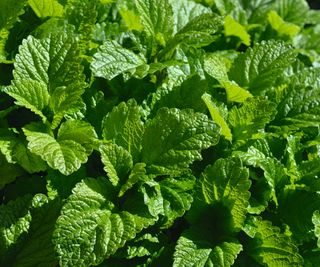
column 315, row 4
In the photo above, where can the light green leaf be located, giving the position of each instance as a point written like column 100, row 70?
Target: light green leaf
column 185, row 11
column 46, row 8
column 123, row 126
column 80, row 132
column 31, row 94
column 131, row 19
column 49, row 67
column 258, row 67
column 174, row 138
column 234, row 28
column 87, row 231
column 63, row 155
column 217, row 66
column 235, row 93
column 316, row 223
column 9, row 13
column 156, row 16
column 272, row 248
column 282, row 27
column 228, row 182
column 225, row 254
column 294, row 11
column 251, row 117
column 117, row 162
column 112, row 60
column 198, row 32
column 217, row 116
column 190, row 253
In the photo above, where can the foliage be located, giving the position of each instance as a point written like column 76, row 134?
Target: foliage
column 159, row 133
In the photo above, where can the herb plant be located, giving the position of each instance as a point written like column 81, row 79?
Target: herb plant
column 159, row 133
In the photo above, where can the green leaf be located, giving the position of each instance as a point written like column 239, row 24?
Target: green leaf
column 63, row 155
column 274, row 171
column 87, row 231
column 9, row 14
column 228, row 182
column 46, row 8
column 300, row 106
column 235, row 93
column 8, row 171
column 282, row 27
column 234, row 28
column 83, row 16
column 124, row 127
column 257, row 68
column 31, row 94
column 185, row 11
column 170, row 198
column 174, row 138
column 117, row 162
column 316, row 223
column 156, row 16
column 272, row 248
column 251, row 117
column 198, row 32
column 190, row 253
column 294, row 11
column 31, row 224
column 30, row 162
column 48, row 67
column 296, row 208
column 187, row 95
column 14, row 221
column 216, row 66
column 137, row 173
column 80, row 132
column 217, row 116
column 112, row 60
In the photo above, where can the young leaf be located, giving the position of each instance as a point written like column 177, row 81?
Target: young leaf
column 46, row 8
column 217, row 117
column 228, row 182
column 282, row 27
column 174, row 138
column 234, row 28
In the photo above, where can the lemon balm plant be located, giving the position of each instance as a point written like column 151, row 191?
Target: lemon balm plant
column 159, row 133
